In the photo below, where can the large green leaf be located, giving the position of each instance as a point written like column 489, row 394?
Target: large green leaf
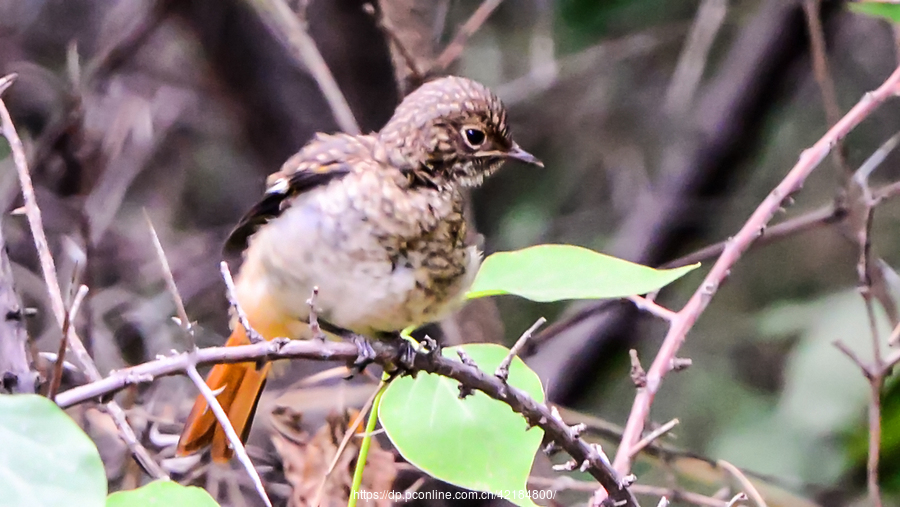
column 162, row 494
column 887, row 10
column 45, row 458
column 477, row 443
column 555, row 272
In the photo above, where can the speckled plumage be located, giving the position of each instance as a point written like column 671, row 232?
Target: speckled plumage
column 374, row 221
column 381, row 233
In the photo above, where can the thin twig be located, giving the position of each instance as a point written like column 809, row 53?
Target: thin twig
column 695, row 54
column 184, row 320
column 254, row 336
column 291, row 31
column 736, row 499
column 823, row 78
column 637, row 373
column 315, row 329
column 748, row 487
column 7, row 81
column 847, row 351
column 749, row 232
column 875, row 386
column 374, row 9
column 455, row 48
column 502, row 371
column 48, row 268
column 655, row 434
column 871, row 282
column 232, row 435
column 825, row 215
column 652, row 307
column 71, row 313
column 538, row 414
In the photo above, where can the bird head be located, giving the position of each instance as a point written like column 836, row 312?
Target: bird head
column 452, row 130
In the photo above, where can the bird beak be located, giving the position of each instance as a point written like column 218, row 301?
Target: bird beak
column 517, row 153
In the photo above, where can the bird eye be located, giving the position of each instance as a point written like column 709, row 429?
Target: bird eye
column 474, row 137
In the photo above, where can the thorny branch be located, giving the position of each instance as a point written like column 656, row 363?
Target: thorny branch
column 48, row 267
column 826, row 215
column 225, row 423
column 291, row 32
column 387, row 354
column 871, row 282
column 184, row 322
column 734, row 249
column 455, row 48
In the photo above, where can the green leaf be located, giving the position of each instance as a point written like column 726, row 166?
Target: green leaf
column 46, row 459
column 887, row 10
column 477, row 443
column 162, row 494
column 554, row 272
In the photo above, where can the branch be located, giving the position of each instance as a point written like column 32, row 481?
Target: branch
column 733, row 251
column 503, row 369
column 232, row 435
column 33, row 213
column 387, row 354
column 71, row 313
column 455, row 48
column 291, row 32
column 819, row 51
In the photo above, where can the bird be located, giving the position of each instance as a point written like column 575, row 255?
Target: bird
column 374, row 222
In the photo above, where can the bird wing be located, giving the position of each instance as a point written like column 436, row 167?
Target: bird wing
column 325, row 159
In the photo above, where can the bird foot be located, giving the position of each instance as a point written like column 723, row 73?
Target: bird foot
column 365, row 354
column 407, row 357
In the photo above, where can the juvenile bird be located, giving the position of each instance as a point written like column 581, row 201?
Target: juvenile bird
column 374, row 221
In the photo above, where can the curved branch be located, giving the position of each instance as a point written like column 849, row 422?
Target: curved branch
column 734, row 249
column 387, row 354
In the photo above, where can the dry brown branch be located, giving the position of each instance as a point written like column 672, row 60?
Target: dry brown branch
column 737, row 499
column 411, row 69
column 71, row 313
column 733, row 251
column 655, row 434
column 862, row 202
column 183, row 320
column 252, row 334
column 695, row 54
column 538, row 414
column 455, row 48
column 33, row 213
column 823, row 78
column 16, row 375
column 651, row 307
column 748, row 487
column 239, row 450
column 503, row 368
column 291, row 32
column 232, row 435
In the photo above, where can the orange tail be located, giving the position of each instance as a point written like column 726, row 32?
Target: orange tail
column 238, row 387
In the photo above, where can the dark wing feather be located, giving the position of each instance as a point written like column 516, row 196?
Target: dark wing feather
column 326, row 158
column 273, row 203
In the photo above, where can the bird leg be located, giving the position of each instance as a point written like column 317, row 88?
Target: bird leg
column 365, row 354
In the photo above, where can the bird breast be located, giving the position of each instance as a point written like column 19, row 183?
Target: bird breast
column 383, row 257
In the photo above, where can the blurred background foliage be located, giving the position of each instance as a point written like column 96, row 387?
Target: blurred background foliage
column 182, row 108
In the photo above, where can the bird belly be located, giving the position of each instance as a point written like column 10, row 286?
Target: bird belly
column 361, row 286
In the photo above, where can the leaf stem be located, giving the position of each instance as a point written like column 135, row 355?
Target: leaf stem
column 366, row 442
